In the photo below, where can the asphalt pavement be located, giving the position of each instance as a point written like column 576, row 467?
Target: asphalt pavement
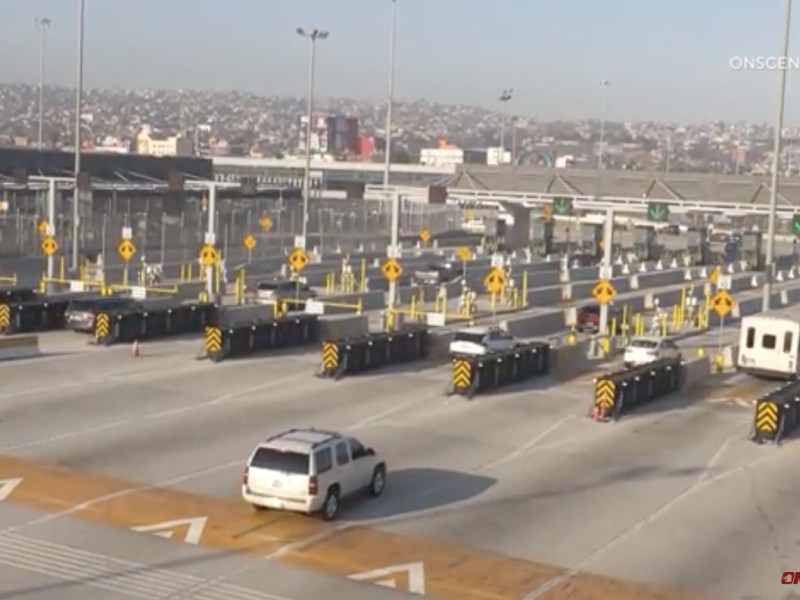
column 515, row 494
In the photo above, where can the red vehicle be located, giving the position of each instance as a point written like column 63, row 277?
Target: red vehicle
column 588, row 318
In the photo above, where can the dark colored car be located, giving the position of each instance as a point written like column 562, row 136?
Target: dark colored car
column 435, row 274
column 80, row 314
column 588, row 318
column 578, row 261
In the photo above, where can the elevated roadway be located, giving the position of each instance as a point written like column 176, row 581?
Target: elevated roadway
column 512, row 495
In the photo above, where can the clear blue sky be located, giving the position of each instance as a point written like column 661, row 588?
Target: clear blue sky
column 665, row 59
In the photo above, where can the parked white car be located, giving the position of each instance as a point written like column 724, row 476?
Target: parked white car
column 311, row 471
column 644, row 350
column 476, row 341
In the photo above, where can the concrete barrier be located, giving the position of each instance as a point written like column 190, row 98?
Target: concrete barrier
column 344, row 326
column 656, row 279
column 19, row 347
column 730, row 356
column 695, row 372
column 583, row 274
column 535, row 278
column 231, row 316
column 189, row 291
column 569, row 361
column 538, row 325
column 546, row 296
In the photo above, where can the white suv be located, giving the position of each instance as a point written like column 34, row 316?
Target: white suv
column 311, row 471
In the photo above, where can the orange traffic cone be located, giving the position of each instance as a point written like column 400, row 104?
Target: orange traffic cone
column 135, row 349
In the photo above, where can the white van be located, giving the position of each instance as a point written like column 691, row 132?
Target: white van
column 769, row 344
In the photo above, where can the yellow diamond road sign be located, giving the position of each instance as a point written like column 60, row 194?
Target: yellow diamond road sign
column 391, row 269
column 49, row 246
column 126, row 250
column 266, row 223
column 249, row 242
column 208, row 254
column 298, row 259
column 464, row 253
column 425, row 235
column 495, row 281
column 604, row 292
column 722, row 303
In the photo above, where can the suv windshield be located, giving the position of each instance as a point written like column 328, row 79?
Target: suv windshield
column 285, row 462
column 463, row 336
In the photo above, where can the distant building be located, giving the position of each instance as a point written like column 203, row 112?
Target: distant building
column 154, row 143
column 497, row 156
column 112, row 145
column 366, row 146
column 335, row 135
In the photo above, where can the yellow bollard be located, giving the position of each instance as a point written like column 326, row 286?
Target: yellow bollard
column 329, row 283
column 682, row 307
column 664, row 326
column 612, row 328
column 605, row 345
column 62, row 268
column 363, row 276
column 701, row 352
column 125, row 277
column 524, row 289
column 359, row 307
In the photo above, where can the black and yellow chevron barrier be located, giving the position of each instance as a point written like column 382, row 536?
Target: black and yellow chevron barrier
column 473, row 374
column 102, row 328
column 623, row 390
column 462, row 374
column 5, row 318
column 777, row 413
column 330, row 358
column 374, row 351
column 767, row 416
column 605, row 391
column 213, row 342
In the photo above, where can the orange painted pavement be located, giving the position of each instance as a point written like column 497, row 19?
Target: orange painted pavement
column 451, row 572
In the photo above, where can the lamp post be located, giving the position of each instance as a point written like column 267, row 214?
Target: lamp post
column 78, row 107
column 505, row 97
column 42, row 24
column 390, row 96
column 604, row 85
column 776, row 163
column 312, row 37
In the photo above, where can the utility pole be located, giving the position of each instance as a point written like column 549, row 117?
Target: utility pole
column 42, row 24
column 776, row 163
column 312, row 37
column 606, row 268
column 505, row 97
column 390, row 96
column 78, row 109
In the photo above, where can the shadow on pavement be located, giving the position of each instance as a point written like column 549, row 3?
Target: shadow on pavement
column 412, row 490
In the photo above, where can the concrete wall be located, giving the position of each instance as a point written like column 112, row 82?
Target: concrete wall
column 568, row 361
column 344, row 326
column 546, row 296
column 695, row 372
column 536, row 326
column 19, row 346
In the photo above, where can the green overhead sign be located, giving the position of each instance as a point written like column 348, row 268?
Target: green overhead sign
column 562, row 206
column 658, row 212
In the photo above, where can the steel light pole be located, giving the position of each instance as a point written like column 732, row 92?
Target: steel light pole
column 505, row 97
column 42, row 24
column 776, row 162
column 312, row 37
column 78, row 108
column 390, row 96
column 604, row 85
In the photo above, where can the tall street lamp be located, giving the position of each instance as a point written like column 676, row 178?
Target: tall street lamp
column 505, row 97
column 312, row 37
column 42, row 24
column 604, row 85
column 78, row 110
column 390, row 97
column 776, row 163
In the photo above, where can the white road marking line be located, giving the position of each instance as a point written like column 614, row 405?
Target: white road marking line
column 114, row 574
column 702, row 481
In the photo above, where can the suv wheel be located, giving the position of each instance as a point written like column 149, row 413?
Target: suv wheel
column 331, row 506
column 378, row 482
